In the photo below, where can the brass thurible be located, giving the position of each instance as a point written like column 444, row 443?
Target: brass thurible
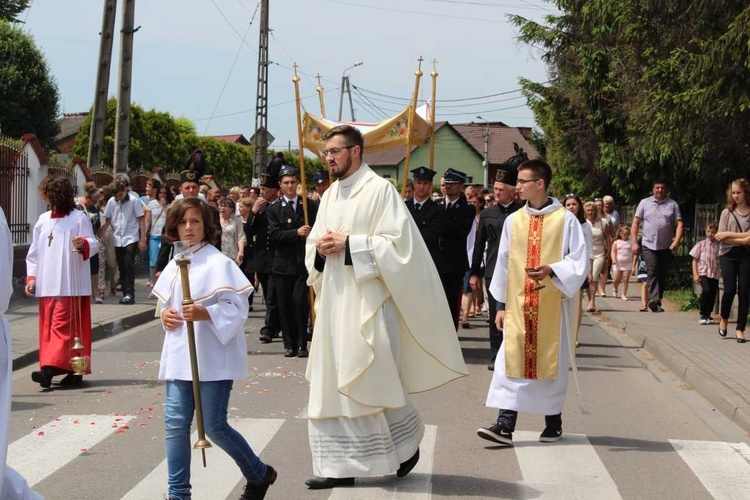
column 202, row 442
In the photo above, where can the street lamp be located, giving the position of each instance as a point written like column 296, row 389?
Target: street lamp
column 345, row 85
column 486, row 161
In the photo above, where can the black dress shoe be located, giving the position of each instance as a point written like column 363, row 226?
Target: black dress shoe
column 303, row 353
column 491, row 366
column 265, row 338
column 290, row 353
column 741, row 340
column 42, row 379
column 722, row 333
column 258, row 491
column 325, row 483
column 407, row 466
column 71, row 379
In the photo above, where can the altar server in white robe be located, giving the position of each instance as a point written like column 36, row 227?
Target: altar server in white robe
column 12, row 485
column 542, row 262
column 219, row 291
column 374, row 342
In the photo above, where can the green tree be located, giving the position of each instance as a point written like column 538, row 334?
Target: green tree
column 29, row 93
column 9, row 9
column 158, row 139
column 642, row 90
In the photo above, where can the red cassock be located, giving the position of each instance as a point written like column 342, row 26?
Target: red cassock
column 60, row 320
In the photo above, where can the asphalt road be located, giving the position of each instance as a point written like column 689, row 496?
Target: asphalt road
column 643, row 434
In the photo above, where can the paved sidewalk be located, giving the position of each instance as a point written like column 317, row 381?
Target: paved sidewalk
column 109, row 318
column 717, row 368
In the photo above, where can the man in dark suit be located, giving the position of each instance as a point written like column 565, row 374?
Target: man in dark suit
column 427, row 215
column 490, row 229
column 457, row 221
column 263, row 253
column 286, row 224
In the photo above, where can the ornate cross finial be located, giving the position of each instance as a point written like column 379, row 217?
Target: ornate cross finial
column 421, row 60
column 434, row 67
column 318, row 77
column 295, row 68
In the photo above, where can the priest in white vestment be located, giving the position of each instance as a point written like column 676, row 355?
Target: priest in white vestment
column 12, row 485
column 541, row 264
column 373, row 343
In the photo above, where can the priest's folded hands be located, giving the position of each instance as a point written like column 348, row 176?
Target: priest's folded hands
column 331, row 243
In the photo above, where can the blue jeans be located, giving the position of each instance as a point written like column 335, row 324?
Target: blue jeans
column 154, row 242
column 178, row 416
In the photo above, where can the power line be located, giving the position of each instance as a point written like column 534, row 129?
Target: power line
column 231, row 69
column 486, row 4
column 372, row 103
column 421, row 13
column 232, row 26
column 484, row 112
column 270, row 106
column 438, row 101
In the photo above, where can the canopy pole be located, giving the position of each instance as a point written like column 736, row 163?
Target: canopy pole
column 302, row 174
column 320, row 97
column 412, row 108
column 434, row 75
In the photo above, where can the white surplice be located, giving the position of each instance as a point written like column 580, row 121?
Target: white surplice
column 383, row 330
column 59, row 270
column 217, row 284
column 12, row 485
column 544, row 397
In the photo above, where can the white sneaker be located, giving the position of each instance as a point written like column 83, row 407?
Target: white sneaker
column 624, row 298
column 703, row 321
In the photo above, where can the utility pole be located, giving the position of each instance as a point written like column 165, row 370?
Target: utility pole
column 261, row 101
column 99, row 111
column 346, row 88
column 122, row 124
column 486, row 161
column 349, row 91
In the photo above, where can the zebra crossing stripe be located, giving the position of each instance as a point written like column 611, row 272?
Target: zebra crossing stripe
column 723, row 468
column 416, row 486
column 570, row 468
column 65, row 438
column 222, row 474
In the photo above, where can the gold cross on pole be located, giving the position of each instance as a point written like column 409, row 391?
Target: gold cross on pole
column 434, row 66
column 318, row 77
column 295, row 68
column 421, row 59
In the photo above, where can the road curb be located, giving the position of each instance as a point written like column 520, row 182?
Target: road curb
column 99, row 331
column 710, row 387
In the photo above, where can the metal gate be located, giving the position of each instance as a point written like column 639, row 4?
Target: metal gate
column 14, row 179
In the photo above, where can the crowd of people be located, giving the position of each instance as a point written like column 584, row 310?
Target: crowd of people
column 368, row 260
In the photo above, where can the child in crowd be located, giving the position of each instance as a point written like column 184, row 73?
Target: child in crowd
column 706, row 271
column 622, row 261
column 641, row 276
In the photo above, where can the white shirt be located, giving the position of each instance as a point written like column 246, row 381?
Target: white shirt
column 124, row 217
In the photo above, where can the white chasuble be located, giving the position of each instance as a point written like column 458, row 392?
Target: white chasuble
column 531, row 370
column 383, row 330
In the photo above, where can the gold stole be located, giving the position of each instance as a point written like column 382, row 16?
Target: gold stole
column 532, row 339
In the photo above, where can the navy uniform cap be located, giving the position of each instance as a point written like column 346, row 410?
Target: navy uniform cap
column 453, row 176
column 423, row 174
column 320, row 177
column 506, row 176
column 287, row 170
column 189, row 176
column 269, row 181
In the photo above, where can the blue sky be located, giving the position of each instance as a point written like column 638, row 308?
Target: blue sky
column 185, row 49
